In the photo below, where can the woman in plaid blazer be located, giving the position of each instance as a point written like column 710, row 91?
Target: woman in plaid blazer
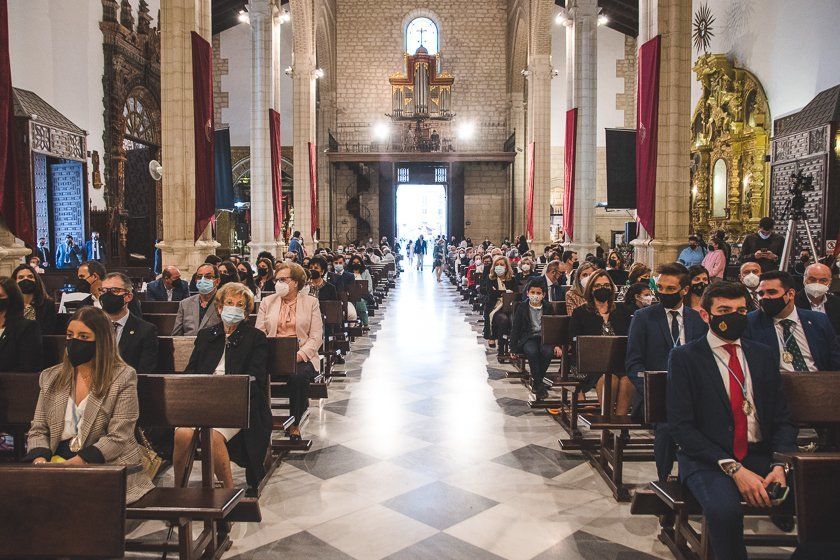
column 87, row 409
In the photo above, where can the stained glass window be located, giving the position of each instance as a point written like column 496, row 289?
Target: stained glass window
column 423, row 31
column 137, row 122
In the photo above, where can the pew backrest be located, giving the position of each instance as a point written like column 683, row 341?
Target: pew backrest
column 656, row 391
column 194, row 401
column 601, row 354
column 282, row 352
column 333, row 312
column 51, row 511
column 813, row 397
column 149, row 306
column 555, row 330
column 18, row 398
column 817, row 497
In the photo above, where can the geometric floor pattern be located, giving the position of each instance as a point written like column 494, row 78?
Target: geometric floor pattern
column 425, row 451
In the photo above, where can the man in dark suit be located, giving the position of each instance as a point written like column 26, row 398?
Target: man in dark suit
column 799, row 339
column 136, row 339
column 728, row 414
column 69, row 255
column 763, row 246
column 654, row 331
column 551, row 281
column 815, row 295
column 43, row 253
column 95, row 249
column 317, row 281
column 340, row 278
column 169, row 287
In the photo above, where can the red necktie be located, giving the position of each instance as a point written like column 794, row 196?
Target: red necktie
column 736, row 399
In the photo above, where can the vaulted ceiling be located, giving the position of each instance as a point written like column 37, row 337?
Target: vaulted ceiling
column 622, row 15
column 226, row 13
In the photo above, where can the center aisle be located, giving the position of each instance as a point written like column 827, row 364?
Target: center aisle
column 425, row 451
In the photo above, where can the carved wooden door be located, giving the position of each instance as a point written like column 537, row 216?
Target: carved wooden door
column 140, row 204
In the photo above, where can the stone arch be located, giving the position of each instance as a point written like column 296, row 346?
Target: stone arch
column 427, row 13
column 518, row 57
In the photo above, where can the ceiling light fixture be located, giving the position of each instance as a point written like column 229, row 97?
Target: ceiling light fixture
column 602, row 18
column 244, row 17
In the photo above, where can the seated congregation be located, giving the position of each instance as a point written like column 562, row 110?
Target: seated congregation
column 730, row 376
column 138, row 375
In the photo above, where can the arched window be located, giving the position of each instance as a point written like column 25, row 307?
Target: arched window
column 421, row 31
column 138, row 126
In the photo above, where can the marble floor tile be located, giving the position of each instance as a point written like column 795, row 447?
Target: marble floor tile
column 539, row 460
column 331, row 461
column 439, row 504
column 440, row 546
column 299, row 545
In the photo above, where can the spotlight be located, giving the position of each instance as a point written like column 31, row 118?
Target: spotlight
column 285, row 16
column 602, row 18
column 381, row 131
column 466, row 130
column 562, row 18
column 289, row 71
column 244, row 17
column 318, row 73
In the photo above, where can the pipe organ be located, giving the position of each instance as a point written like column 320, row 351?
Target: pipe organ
column 422, row 91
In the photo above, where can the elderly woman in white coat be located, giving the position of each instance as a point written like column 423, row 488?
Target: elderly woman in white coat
column 290, row 313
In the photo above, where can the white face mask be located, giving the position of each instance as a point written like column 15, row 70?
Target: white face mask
column 816, row 291
column 536, row 299
column 499, row 269
column 646, row 300
column 584, row 282
column 751, row 280
column 232, row 315
column 479, row 268
column 281, row 288
column 525, row 268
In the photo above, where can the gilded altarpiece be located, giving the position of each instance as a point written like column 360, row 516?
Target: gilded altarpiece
column 730, row 131
column 131, row 84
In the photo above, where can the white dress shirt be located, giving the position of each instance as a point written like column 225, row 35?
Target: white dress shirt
column 120, row 327
column 800, row 338
column 680, row 321
column 818, row 307
column 70, row 427
column 722, row 361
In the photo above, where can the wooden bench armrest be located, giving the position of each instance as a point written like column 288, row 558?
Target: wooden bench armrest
column 168, row 503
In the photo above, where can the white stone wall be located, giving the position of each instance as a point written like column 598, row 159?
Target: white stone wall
column 56, row 51
column 486, row 201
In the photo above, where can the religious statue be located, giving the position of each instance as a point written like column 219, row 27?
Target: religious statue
column 94, row 164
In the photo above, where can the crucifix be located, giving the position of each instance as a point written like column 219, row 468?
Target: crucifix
column 421, row 36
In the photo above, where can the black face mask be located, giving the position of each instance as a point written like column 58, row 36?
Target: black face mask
column 262, row 271
column 669, row 300
column 224, row 279
column 27, row 286
column 602, row 294
column 698, row 288
column 80, row 351
column 613, row 263
column 243, row 275
column 773, row 306
column 574, row 266
column 111, row 303
column 315, row 274
column 83, row 286
column 730, row 326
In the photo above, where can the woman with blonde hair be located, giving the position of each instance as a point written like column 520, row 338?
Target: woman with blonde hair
column 498, row 281
column 575, row 296
column 87, row 408
column 290, row 313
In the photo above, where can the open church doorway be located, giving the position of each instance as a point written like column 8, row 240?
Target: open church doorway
column 421, row 210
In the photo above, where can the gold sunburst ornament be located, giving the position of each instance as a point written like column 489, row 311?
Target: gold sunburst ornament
column 703, row 20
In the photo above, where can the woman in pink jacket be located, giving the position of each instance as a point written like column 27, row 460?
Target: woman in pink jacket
column 290, row 313
column 715, row 261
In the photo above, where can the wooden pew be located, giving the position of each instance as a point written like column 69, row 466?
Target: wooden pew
column 332, row 313
column 165, row 322
column 555, row 332
column 51, row 511
column 166, row 307
column 18, row 398
column 281, row 364
column 605, row 355
column 812, row 399
column 202, row 402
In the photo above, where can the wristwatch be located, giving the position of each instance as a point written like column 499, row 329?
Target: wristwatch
column 730, row 468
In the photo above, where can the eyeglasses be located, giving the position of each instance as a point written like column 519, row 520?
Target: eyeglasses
column 208, row 276
column 284, row 279
column 115, row 291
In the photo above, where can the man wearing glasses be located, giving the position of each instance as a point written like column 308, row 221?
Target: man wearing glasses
column 136, row 338
column 197, row 312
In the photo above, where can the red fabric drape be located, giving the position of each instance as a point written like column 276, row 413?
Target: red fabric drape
column 647, row 126
column 313, row 187
column 14, row 209
column 529, row 194
column 276, row 175
column 569, row 175
column 205, row 186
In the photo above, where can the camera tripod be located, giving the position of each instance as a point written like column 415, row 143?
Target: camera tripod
column 796, row 210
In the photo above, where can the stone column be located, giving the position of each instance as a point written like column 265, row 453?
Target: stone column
column 326, row 117
column 539, row 132
column 519, row 170
column 582, row 93
column 304, row 113
column 12, row 250
column 265, row 88
column 178, row 19
column 672, row 20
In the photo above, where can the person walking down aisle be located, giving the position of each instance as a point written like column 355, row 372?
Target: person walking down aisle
column 437, row 258
column 420, row 250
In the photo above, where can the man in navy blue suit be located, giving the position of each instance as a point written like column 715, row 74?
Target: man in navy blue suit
column 728, row 414
column 800, row 339
column 654, row 331
column 169, row 287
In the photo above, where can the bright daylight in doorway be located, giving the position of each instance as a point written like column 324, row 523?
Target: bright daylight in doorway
column 421, row 209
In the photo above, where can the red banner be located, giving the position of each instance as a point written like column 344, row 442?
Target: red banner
column 276, row 174
column 569, row 175
column 529, row 194
column 647, row 128
column 205, row 186
column 313, row 187
column 14, row 209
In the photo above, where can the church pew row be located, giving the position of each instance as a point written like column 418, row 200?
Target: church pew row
column 167, row 401
column 812, row 399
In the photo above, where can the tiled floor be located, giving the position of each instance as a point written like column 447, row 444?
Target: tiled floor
column 425, row 451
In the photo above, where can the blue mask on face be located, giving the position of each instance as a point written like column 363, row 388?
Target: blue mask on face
column 232, row 315
column 204, row 286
